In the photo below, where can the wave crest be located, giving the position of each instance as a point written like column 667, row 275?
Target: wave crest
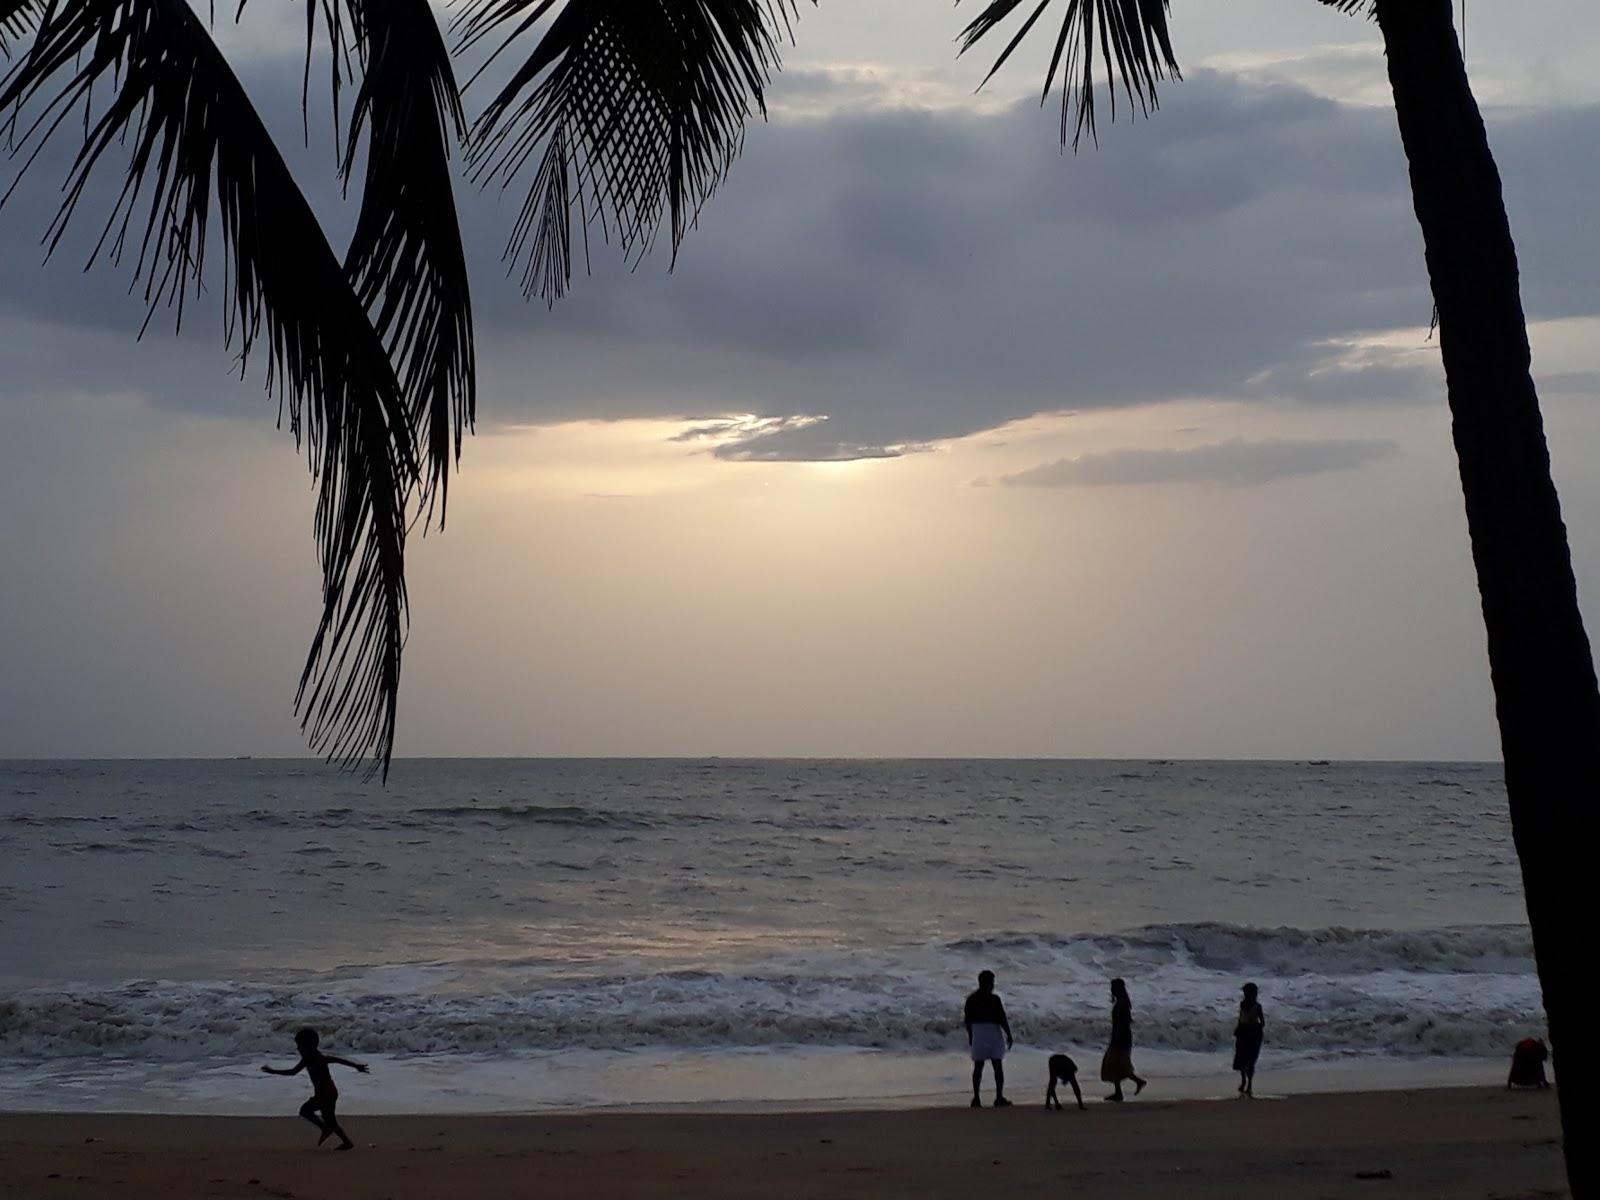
column 1451, row 992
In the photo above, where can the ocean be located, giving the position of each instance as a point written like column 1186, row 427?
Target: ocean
column 522, row 934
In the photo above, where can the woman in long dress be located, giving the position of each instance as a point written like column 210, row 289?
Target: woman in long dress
column 1247, row 1035
column 1117, row 1064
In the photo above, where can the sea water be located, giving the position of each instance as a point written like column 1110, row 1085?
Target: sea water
column 502, row 934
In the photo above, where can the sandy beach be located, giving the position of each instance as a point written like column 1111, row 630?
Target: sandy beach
column 1440, row 1143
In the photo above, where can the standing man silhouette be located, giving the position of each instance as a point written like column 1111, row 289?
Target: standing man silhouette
column 988, row 1037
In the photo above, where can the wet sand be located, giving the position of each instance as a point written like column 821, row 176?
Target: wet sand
column 1458, row 1142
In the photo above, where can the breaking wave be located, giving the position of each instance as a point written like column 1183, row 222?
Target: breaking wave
column 1464, row 991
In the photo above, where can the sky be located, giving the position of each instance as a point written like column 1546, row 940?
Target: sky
column 936, row 441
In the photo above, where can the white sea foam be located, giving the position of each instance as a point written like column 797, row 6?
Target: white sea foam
column 1463, row 991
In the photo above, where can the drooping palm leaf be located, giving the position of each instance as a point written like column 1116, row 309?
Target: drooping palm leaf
column 632, row 110
column 145, row 75
column 1134, row 48
column 405, row 259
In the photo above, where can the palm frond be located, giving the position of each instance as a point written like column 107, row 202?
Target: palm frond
column 17, row 18
column 1134, row 47
column 145, row 75
column 405, row 259
column 633, row 111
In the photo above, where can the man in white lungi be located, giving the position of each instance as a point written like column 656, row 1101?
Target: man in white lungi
column 989, row 1037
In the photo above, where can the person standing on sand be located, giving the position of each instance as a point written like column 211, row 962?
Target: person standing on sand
column 1117, row 1064
column 988, row 1037
column 1247, row 1035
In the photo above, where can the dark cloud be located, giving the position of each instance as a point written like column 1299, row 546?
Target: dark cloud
column 1232, row 463
column 918, row 275
column 1337, row 381
column 800, row 437
column 921, row 275
column 806, row 443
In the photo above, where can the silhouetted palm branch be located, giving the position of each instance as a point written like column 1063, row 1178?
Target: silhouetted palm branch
column 145, row 74
column 633, row 109
column 1133, row 46
column 405, row 259
column 17, row 18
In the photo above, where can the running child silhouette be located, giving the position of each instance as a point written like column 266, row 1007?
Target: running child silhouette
column 324, row 1096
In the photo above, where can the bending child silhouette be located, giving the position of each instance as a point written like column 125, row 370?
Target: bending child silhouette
column 988, row 1037
column 324, row 1096
column 1062, row 1070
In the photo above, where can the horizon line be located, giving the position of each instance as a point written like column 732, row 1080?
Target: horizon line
column 771, row 758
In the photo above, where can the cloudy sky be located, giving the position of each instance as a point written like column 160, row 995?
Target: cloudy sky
column 936, row 442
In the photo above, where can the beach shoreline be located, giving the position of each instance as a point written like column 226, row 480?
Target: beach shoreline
column 1477, row 1142
column 772, row 1079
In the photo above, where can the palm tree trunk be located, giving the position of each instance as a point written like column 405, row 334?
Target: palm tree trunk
column 1539, row 656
